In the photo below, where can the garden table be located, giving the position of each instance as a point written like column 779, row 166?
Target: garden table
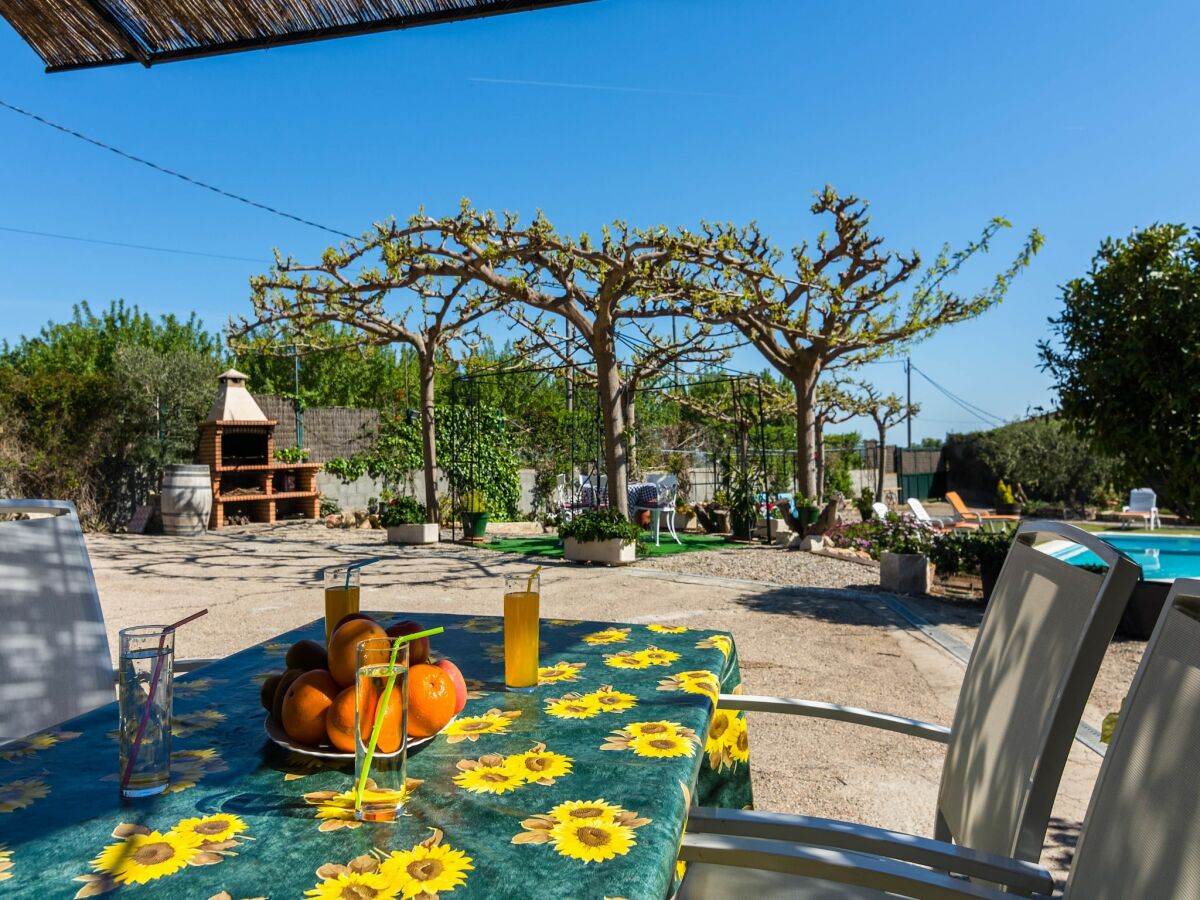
column 578, row 789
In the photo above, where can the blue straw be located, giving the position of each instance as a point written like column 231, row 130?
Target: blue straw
column 358, row 565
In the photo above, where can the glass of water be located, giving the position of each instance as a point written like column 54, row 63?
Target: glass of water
column 383, row 771
column 145, row 680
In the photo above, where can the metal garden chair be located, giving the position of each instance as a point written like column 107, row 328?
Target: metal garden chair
column 1036, row 655
column 54, row 655
column 1140, row 838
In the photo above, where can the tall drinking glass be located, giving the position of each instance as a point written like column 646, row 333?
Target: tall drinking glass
column 341, row 596
column 145, row 677
column 522, row 598
column 385, row 768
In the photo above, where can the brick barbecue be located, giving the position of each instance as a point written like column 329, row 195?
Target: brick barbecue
column 237, row 443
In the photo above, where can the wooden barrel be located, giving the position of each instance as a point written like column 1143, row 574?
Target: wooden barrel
column 186, row 500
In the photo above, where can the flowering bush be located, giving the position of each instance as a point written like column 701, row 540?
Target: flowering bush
column 895, row 534
column 401, row 511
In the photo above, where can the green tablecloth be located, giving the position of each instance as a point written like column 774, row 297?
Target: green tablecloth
column 620, row 763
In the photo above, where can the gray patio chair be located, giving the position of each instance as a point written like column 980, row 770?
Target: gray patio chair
column 54, row 655
column 1140, row 838
column 663, row 509
column 1036, row 655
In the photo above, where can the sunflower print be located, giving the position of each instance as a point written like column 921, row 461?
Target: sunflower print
column 738, row 740
column 611, row 700
column 194, row 687
column 667, row 629
column 188, row 768
column 427, row 870
column 657, row 657
column 539, row 765
column 560, row 671
column 144, row 856
column 487, row 775
column 573, row 706
column 586, row 830
column 6, row 863
column 483, row 625
column 201, row 720
column 563, row 623
column 654, row 740
column 21, row 793
column 336, row 810
column 607, row 636
column 695, row 682
column 470, row 728
column 626, row 659
column 495, row 652
column 276, row 648
column 35, row 743
column 722, row 642
column 352, row 886
column 216, row 828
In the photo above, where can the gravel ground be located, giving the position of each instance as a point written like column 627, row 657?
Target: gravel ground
column 820, row 644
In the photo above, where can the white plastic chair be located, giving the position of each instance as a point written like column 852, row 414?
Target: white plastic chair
column 662, row 509
column 1039, row 647
column 880, row 509
column 923, row 516
column 1143, row 504
column 54, row 654
column 1139, row 837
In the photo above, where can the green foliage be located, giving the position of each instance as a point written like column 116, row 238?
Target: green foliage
column 329, row 506
column 837, row 477
column 402, row 510
column 291, row 454
column 963, row 551
column 895, row 534
column 1048, row 460
column 1126, row 359
column 743, row 501
column 1004, row 494
column 863, row 504
column 599, row 525
column 473, row 503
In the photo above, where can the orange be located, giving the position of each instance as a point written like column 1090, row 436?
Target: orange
column 339, row 721
column 431, row 700
column 343, row 645
column 305, row 705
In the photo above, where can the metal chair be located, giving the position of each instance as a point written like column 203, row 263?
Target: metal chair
column 1039, row 647
column 663, row 508
column 54, row 654
column 1139, row 838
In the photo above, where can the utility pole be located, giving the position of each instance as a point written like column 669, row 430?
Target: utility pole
column 908, row 411
column 296, row 395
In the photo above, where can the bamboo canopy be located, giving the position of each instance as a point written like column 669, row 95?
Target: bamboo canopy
column 80, row 34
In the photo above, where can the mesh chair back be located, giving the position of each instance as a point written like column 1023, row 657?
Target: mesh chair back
column 918, row 510
column 1141, row 836
column 54, row 661
column 1037, row 653
column 1142, row 500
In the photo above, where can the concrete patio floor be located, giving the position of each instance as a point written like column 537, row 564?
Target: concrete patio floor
column 822, row 644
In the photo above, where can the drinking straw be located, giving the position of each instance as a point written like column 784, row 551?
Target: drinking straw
column 358, row 565
column 382, row 708
column 137, row 741
column 532, row 575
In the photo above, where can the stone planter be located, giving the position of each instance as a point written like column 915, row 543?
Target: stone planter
column 613, row 552
column 424, row 533
column 778, row 526
column 686, row 521
column 720, row 518
column 905, row 573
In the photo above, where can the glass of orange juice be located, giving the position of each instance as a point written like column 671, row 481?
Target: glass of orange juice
column 522, row 597
column 341, row 596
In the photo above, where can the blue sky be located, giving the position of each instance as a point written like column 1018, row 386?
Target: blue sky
column 1074, row 118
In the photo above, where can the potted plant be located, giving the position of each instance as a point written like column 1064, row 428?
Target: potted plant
column 807, row 510
column 904, row 547
column 600, row 536
column 474, row 514
column 1006, row 502
column 685, row 517
column 404, row 518
column 743, row 503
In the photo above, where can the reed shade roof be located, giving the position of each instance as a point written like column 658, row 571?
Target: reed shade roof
column 75, row 34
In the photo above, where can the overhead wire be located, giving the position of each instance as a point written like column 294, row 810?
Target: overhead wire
column 87, row 240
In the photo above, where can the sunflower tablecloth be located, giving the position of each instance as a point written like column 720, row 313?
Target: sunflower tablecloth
column 577, row 790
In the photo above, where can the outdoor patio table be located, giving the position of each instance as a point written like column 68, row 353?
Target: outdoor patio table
column 640, row 493
column 577, row 790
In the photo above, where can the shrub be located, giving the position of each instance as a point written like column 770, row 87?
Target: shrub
column 895, row 534
column 291, row 454
column 599, row 525
column 401, row 511
column 967, row 551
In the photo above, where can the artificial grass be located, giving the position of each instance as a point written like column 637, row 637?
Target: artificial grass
column 550, row 546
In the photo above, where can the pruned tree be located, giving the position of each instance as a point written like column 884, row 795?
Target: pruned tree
column 628, row 275
column 293, row 301
column 843, row 302
column 735, row 403
column 884, row 411
column 833, row 404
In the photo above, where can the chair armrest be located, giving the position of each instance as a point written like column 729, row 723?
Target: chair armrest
column 1023, row 876
column 819, row 710
column 842, row 866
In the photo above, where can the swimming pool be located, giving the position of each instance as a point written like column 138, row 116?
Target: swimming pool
column 1162, row 558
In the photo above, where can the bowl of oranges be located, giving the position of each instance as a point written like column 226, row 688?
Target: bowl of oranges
column 311, row 705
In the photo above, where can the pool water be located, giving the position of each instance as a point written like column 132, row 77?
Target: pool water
column 1161, row 558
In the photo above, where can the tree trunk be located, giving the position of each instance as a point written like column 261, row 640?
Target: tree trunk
column 612, row 413
column 804, row 381
column 819, row 451
column 882, row 465
column 429, row 435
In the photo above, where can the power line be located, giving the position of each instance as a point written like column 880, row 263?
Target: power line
column 164, row 170
column 981, row 414
column 85, row 240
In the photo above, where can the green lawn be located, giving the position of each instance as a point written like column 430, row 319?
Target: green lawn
column 551, row 547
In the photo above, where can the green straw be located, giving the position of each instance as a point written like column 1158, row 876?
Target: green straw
column 381, row 708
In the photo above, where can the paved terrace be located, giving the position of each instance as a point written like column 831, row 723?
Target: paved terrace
column 845, row 644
